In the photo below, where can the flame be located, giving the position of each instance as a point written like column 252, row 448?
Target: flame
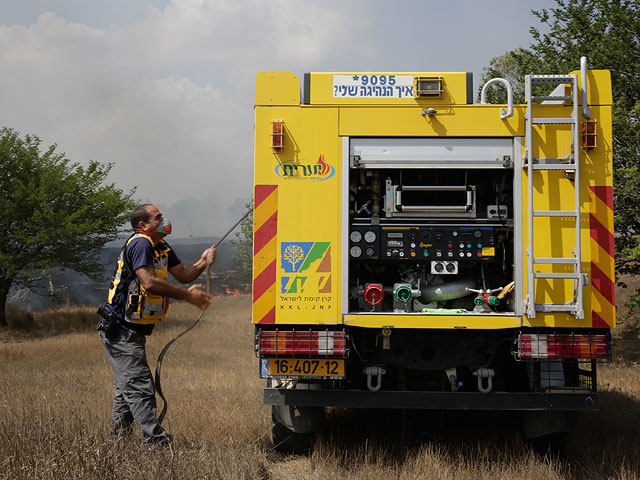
column 235, row 292
column 325, row 169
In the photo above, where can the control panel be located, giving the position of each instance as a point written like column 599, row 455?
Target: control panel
column 450, row 242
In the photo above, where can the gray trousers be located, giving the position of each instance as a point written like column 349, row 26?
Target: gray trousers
column 135, row 396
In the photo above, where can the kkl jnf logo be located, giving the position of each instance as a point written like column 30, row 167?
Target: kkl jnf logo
column 306, row 170
column 306, row 267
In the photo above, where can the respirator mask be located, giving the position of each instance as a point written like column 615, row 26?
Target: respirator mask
column 164, row 227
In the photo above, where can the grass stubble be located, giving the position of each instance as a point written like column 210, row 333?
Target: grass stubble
column 55, row 403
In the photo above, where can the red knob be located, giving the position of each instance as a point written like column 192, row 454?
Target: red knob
column 373, row 294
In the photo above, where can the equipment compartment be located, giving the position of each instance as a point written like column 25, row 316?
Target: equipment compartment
column 422, row 239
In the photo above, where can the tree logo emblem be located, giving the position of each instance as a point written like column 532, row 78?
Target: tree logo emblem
column 293, row 254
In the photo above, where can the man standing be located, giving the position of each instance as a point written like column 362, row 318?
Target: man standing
column 138, row 299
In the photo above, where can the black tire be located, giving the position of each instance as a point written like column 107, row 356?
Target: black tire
column 287, row 441
column 551, row 444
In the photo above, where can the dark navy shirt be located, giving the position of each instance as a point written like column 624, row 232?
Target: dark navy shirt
column 139, row 253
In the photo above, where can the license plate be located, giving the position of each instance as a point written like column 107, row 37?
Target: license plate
column 326, row 368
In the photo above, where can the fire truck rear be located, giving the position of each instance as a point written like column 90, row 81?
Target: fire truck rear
column 416, row 250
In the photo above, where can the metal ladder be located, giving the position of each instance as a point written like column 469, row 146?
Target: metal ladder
column 570, row 164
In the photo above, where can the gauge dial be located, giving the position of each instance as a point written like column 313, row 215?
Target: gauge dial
column 370, row 252
column 355, row 251
column 355, row 236
column 370, row 236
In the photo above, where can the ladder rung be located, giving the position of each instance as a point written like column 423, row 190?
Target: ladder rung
column 553, row 307
column 551, row 97
column 554, row 161
column 555, row 166
column 569, row 261
column 553, row 121
column 551, row 79
column 555, row 213
column 575, row 276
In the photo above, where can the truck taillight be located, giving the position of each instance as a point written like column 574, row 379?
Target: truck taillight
column 555, row 345
column 325, row 343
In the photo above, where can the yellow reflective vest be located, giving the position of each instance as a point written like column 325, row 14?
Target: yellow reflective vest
column 140, row 306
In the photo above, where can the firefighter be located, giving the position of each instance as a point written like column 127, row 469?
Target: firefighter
column 138, row 299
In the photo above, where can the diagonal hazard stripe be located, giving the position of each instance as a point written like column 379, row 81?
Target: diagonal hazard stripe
column 261, row 193
column 598, row 321
column 604, row 193
column 265, row 210
column 601, row 257
column 264, row 280
column 265, row 218
column 265, row 233
column 264, row 257
column 603, row 313
column 266, row 302
column 601, row 234
column 601, row 211
column 603, row 307
column 603, row 284
column 270, row 316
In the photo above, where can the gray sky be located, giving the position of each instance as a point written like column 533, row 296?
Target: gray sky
column 164, row 88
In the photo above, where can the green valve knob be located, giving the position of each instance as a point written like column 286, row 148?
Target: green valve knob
column 493, row 300
column 478, row 300
column 403, row 294
column 426, row 254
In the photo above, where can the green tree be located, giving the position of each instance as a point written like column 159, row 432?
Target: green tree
column 243, row 242
column 54, row 213
column 607, row 32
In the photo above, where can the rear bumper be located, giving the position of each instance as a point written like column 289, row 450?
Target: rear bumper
column 565, row 401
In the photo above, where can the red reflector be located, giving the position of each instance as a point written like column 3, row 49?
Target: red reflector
column 553, row 345
column 309, row 343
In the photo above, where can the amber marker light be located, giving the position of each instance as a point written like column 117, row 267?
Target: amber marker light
column 277, row 135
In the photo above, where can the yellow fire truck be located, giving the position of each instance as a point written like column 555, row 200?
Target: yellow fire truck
column 416, row 250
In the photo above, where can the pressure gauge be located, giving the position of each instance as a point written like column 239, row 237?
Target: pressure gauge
column 355, row 236
column 370, row 236
column 355, row 251
column 370, row 252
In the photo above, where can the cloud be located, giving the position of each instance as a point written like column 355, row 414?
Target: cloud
column 167, row 98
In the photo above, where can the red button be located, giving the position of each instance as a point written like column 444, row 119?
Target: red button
column 479, row 254
column 450, row 245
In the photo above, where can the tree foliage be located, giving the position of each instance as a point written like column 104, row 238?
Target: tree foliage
column 243, row 242
column 54, row 213
column 607, row 32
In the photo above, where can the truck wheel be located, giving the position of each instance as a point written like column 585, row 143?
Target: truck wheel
column 286, row 440
column 552, row 443
column 547, row 431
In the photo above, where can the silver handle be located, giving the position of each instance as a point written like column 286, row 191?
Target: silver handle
column 434, row 208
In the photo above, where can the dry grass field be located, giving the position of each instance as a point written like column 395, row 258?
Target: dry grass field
column 55, row 400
